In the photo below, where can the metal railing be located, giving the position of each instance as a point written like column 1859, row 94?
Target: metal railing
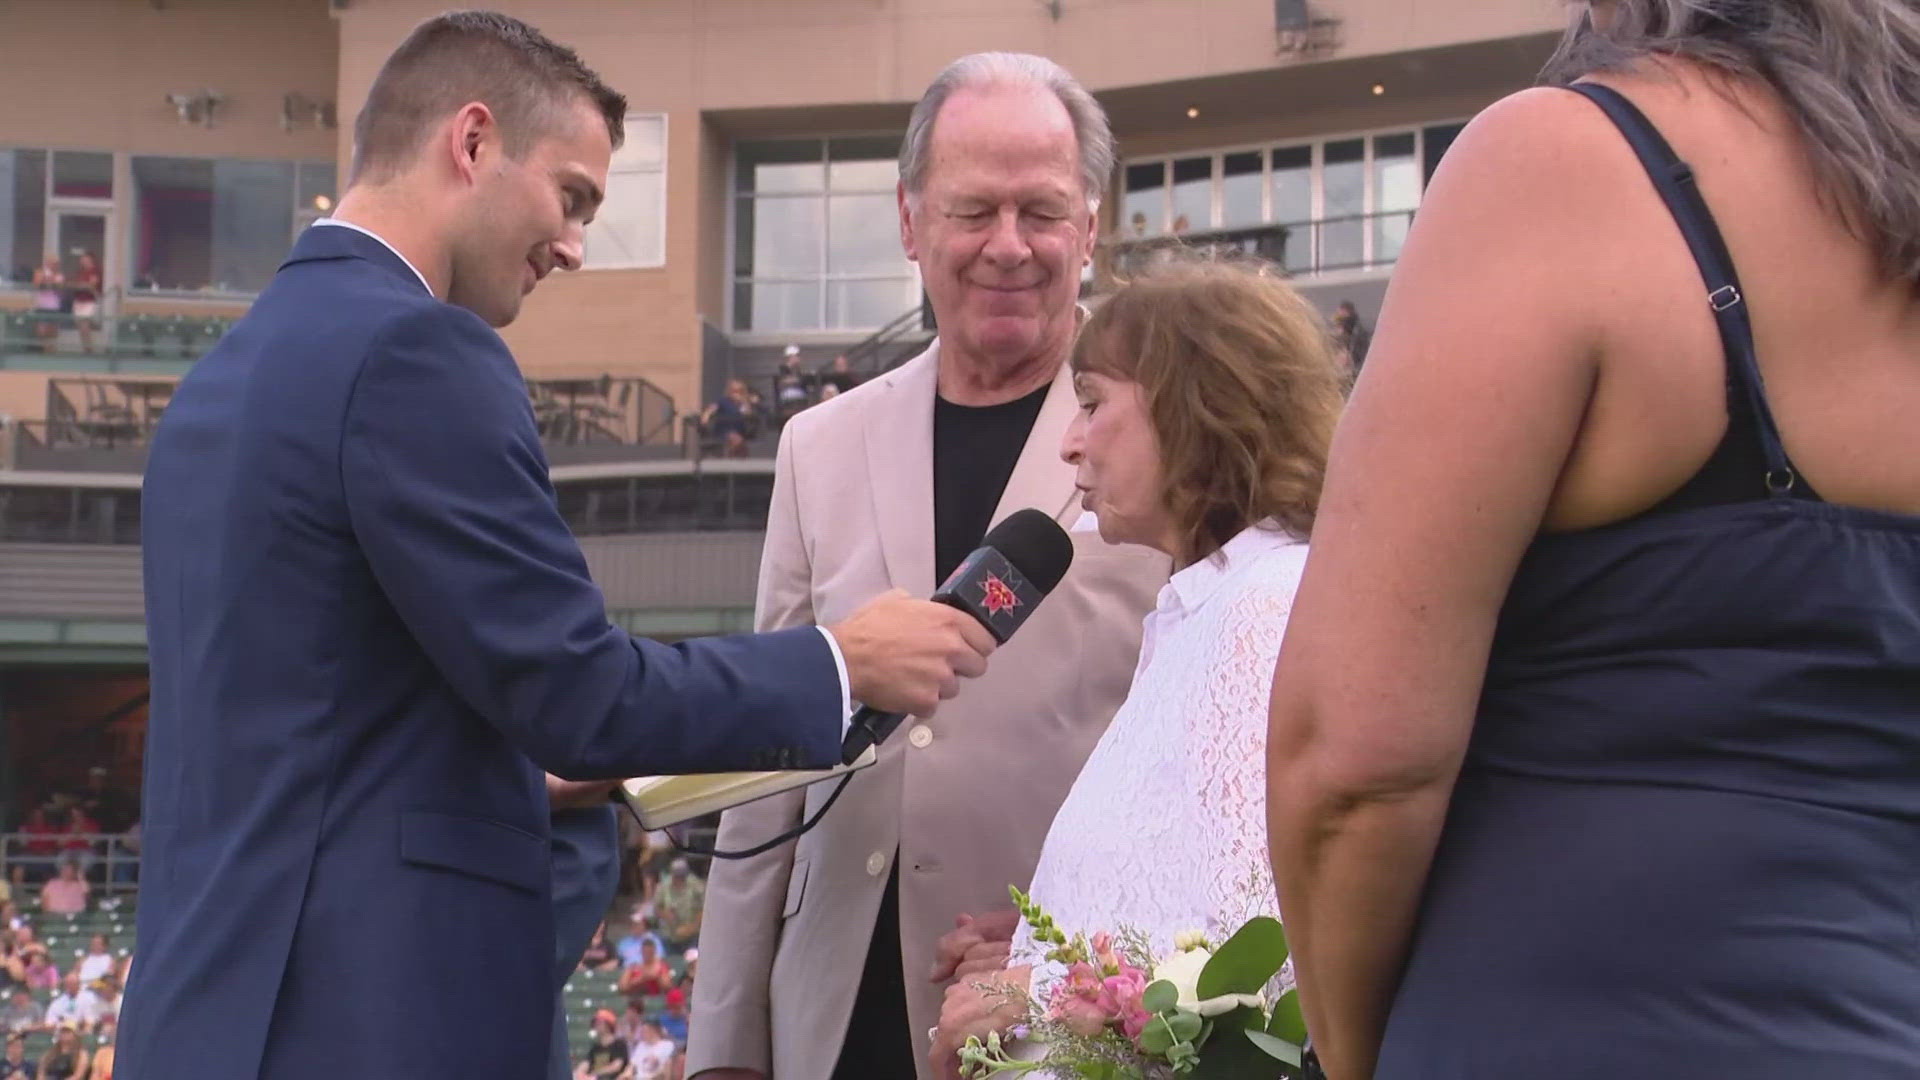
column 109, row 861
column 1352, row 242
column 179, row 337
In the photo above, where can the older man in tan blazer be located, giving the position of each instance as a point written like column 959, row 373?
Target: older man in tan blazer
column 816, row 957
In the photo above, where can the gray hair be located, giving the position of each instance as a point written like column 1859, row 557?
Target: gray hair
column 1090, row 128
column 1845, row 69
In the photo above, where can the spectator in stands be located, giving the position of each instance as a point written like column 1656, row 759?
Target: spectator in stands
column 99, row 962
column 82, row 833
column 1352, row 335
column 105, row 1006
column 13, row 964
column 607, row 1058
column 599, row 955
column 113, row 808
column 10, row 910
column 632, row 947
column 651, row 977
column 829, row 392
column 678, row 900
column 41, row 972
column 730, row 421
column 840, row 376
column 72, row 1005
column 49, row 297
column 42, row 849
column 653, row 1053
column 15, row 1066
column 66, row 1059
column 674, row 1020
column 128, row 846
column 21, row 1014
column 84, row 288
column 792, row 386
column 686, row 978
column 66, row 894
column 629, row 1025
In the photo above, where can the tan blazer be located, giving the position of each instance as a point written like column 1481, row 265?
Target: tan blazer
column 966, row 796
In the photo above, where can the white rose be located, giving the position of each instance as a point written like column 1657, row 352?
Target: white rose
column 1182, row 969
column 1188, row 940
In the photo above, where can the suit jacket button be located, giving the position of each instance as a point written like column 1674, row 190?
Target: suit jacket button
column 921, row 736
column 876, row 862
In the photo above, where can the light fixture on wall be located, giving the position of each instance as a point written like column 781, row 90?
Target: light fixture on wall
column 322, row 203
column 196, row 106
column 1379, row 89
column 299, row 109
column 1193, row 112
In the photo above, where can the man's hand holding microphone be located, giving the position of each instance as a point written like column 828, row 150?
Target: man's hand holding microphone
column 907, row 656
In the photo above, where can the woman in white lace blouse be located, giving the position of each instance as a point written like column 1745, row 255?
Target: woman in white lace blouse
column 1208, row 397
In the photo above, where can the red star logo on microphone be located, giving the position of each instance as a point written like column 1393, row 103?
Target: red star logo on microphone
column 997, row 597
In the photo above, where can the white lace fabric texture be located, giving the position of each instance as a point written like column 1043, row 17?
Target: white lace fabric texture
column 1165, row 829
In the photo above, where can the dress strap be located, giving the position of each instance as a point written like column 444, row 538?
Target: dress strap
column 1674, row 179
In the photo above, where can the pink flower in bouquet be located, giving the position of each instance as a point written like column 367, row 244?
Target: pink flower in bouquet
column 1104, row 954
column 1122, row 995
column 1076, row 1003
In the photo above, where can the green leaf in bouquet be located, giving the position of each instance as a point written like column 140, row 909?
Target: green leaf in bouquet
column 1247, row 960
column 1278, row 1049
column 1186, row 1025
column 1156, row 1038
column 1159, row 997
column 1227, row 1056
column 1287, row 1022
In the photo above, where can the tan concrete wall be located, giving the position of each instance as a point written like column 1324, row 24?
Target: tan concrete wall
column 94, row 74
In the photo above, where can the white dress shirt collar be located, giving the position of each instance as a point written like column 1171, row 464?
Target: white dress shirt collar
column 383, row 243
column 1194, row 584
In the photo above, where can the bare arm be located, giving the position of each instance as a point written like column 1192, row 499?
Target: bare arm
column 1471, row 401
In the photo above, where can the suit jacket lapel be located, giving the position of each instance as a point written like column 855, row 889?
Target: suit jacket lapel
column 899, row 435
column 1040, row 478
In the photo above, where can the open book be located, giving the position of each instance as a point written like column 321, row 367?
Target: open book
column 660, row 801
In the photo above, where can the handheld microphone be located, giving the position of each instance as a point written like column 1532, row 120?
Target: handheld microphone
column 1016, row 565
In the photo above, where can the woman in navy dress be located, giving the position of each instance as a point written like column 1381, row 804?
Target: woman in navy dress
column 1595, row 743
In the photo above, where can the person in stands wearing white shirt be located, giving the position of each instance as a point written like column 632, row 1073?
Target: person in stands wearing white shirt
column 1208, row 397
column 74, row 1005
column 99, row 961
column 653, row 1053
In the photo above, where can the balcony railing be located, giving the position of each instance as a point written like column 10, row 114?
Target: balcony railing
column 111, row 861
column 605, row 418
column 105, row 424
column 1353, row 242
column 127, row 337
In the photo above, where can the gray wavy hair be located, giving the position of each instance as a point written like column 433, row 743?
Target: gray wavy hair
column 1846, row 70
column 1090, row 128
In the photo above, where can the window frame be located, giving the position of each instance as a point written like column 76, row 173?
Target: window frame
column 659, row 168
column 298, row 218
column 1316, row 144
column 823, row 277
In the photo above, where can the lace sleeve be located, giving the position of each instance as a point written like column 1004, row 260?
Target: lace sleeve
column 1226, row 751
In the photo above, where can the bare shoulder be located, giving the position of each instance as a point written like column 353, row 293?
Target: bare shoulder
column 1546, row 149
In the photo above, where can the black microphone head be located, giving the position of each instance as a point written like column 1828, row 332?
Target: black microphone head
column 1035, row 544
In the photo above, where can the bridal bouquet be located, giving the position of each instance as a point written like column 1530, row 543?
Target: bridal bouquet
column 1123, row 1014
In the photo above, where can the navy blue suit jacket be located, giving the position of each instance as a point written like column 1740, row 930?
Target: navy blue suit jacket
column 369, row 631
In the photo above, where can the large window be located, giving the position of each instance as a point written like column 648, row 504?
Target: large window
column 1345, row 202
column 631, row 228
column 23, row 214
column 817, row 236
column 220, row 225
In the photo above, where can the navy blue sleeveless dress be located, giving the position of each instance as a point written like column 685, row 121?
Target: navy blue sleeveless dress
column 1686, row 839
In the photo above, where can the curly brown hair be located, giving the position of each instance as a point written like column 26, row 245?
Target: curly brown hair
column 1242, row 386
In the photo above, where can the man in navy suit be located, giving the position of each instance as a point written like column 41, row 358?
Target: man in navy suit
column 371, row 633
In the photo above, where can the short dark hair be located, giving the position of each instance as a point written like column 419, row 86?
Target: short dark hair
column 513, row 69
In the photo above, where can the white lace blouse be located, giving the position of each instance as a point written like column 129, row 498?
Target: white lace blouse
column 1165, row 828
